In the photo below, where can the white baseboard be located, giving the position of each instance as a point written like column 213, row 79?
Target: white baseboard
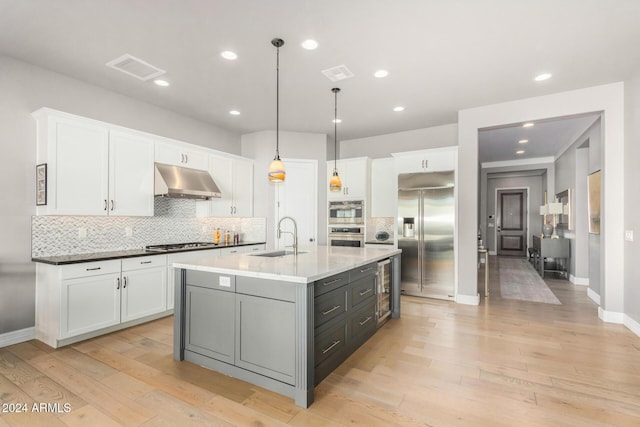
column 610, row 316
column 15, row 337
column 582, row 281
column 632, row 324
column 595, row 297
column 468, row 299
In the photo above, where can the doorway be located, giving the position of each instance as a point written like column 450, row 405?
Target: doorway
column 511, row 222
column 297, row 197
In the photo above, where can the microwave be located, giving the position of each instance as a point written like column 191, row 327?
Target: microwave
column 346, row 212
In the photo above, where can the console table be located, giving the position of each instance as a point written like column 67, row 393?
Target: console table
column 550, row 248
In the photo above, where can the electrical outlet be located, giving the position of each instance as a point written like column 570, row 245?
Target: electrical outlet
column 128, row 231
column 82, row 233
column 628, row 235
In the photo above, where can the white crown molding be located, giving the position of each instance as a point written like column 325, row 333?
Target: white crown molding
column 519, row 162
column 15, row 337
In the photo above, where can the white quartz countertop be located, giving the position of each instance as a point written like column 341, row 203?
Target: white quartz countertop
column 312, row 265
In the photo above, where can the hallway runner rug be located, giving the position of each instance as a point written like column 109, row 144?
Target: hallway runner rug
column 520, row 281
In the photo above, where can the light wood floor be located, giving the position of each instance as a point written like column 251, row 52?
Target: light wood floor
column 503, row 363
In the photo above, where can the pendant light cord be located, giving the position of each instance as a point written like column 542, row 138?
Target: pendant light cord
column 277, row 102
column 335, row 91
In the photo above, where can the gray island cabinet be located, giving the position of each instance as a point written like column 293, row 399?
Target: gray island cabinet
column 283, row 323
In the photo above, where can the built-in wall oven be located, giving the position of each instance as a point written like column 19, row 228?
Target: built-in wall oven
column 346, row 236
column 346, row 212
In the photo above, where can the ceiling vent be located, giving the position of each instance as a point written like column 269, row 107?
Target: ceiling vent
column 338, row 73
column 135, row 67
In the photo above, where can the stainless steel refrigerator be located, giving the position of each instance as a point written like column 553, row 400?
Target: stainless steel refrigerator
column 426, row 220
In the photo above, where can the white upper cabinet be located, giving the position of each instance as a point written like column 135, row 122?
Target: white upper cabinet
column 92, row 168
column 180, row 154
column 234, row 177
column 384, row 188
column 432, row 160
column 355, row 176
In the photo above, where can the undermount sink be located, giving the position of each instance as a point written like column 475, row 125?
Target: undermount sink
column 278, row 253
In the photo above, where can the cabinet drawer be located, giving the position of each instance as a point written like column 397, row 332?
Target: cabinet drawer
column 86, row 269
column 362, row 324
column 223, row 282
column 330, row 343
column 329, row 306
column 330, row 283
column 363, row 271
column 361, row 290
column 144, row 262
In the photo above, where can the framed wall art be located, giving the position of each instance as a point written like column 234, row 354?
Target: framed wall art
column 41, row 184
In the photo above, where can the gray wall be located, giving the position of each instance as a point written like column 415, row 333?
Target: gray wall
column 25, row 88
column 572, row 168
column 632, row 198
column 381, row 146
column 532, row 183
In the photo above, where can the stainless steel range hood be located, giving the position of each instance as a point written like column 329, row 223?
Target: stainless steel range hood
column 184, row 183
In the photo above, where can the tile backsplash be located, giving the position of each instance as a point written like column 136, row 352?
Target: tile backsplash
column 377, row 224
column 174, row 222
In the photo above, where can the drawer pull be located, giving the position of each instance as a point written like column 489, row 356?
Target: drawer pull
column 331, row 282
column 146, row 262
column 362, row 293
column 364, row 270
column 94, row 269
column 117, row 283
column 324, row 313
column 335, row 343
column 124, row 281
column 365, row 321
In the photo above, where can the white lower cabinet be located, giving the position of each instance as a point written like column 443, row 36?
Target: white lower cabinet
column 79, row 301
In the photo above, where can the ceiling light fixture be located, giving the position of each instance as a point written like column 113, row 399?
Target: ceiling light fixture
column 542, row 77
column 227, row 54
column 398, row 108
column 335, row 184
column 161, row 82
column 381, row 73
column 234, row 112
column 520, row 152
column 277, row 172
column 336, row 121
column 523, row 141
column 527, row 125
column 310, row 44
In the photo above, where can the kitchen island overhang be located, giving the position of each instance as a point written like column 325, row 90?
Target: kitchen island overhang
column 284, row 322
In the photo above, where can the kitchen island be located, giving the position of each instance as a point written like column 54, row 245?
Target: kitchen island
column 280, row 321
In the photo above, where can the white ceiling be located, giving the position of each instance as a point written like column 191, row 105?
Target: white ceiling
column 442, row 55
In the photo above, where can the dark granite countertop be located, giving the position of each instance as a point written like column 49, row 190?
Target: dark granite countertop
column 130, row 253
column 378, row 242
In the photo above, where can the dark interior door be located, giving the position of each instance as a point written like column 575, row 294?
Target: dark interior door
column 512, row 222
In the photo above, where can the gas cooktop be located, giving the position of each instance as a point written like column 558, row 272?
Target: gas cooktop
column 179, row 246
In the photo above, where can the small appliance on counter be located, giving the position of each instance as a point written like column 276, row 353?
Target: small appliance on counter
column 382, row 236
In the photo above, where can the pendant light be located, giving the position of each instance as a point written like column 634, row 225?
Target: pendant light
column 335, row 184
column 276, row 168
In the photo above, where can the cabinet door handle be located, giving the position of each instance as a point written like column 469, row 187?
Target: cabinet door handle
column 117, row 283
column 146, row 262
column 105, row 204
column 235, row 210
column 364, row 322
column 124, row 282
column 186, row 158
column 331, row 282
column 335, row 343
column 181, row 158
column 364, row 270
column 112, row 204
column 362, row 293
column 324, row 313
column 233, row 252
column 94, row 268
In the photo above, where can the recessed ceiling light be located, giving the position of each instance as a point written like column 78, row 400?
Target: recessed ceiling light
column 234, row 112
column 227, row 54
column 310, row 44
column 161, row 82
column 381, row 73
column 520, row 152
column 398, row 108
column 523, row 141
column 542, row 77
column 336, row 121
column 527, row 125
